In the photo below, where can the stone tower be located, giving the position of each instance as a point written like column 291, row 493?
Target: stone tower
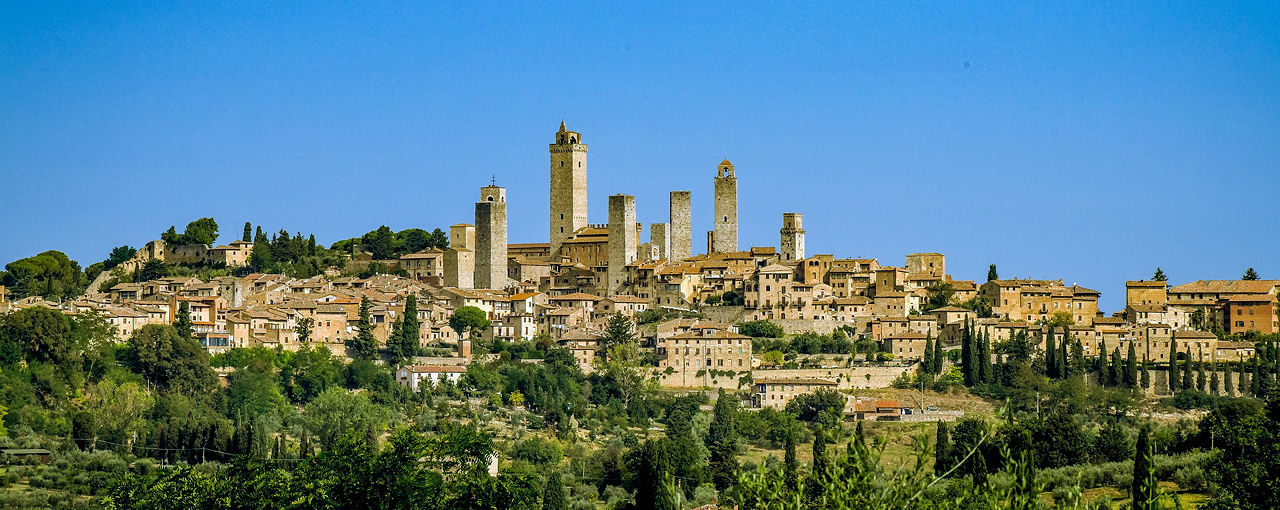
column 681, row 232
column 622, row 240
column 491, row 238
column 568, row 186
column 460, row 258
column 660, row 239
column 725, row 237
column 792, row 246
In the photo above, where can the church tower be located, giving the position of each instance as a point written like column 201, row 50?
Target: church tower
column 792, row 234
column 724, row 238
column 568, row 186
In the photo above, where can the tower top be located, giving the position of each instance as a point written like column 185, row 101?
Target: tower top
column 566, row 137
column 725, row 169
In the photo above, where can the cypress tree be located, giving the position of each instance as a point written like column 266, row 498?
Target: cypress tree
column 722, row 441
column 248, row 233
column 1131, row 367
column 1173, row 366
column 1143, row 491
column 1146, row 373
column 1255, row 382
column 1077, row 358
column 818, row 487
column 1104, row 367
column 182, row 322
column 553, row 493
column 1228, row 385
column 1200, row 376
column 966, row 354
column 1064, row 358
column 942, row 458
column 937, row 356
column 1213, row 377
column 790, row 465
column 1051, row 355
column 926, row 363
column 1187, row 379
column 988, row 375
column 1117, row 374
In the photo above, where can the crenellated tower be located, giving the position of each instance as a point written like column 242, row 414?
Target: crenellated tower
column 568, row 186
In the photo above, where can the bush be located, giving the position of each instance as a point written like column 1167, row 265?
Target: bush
column 1193, row 399
column 1190, row 478
column 760, row 329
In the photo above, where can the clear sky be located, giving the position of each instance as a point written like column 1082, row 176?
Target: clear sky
column 1085, row 141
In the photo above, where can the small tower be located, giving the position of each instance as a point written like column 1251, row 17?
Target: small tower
column 491, row 238
column 792, row 247
column 725, row 235
column 568, row 186
column 460, row 258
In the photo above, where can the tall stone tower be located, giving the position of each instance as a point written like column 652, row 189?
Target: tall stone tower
column 725, row 237
column 568, row 186
column 660, row 239
column 491, row 238
column 460, row 258
column 792, row 246
column 622, row 240
column 681, row 232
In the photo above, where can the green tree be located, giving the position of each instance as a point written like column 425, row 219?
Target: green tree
column 722, row 441
column 336, row 412
column 1213, row 378
column 182, row 323
column 1104, row 371
column 469, row 319
column 50, row 275
column 820, row 473
column 992, row 274
column 791, row 466
column 617, row 331
column 363, row 346
column 379, row 242
column 201, row 231
column 37, row 334
column 3, row 411
column 760, row 329
column 169, row 361
column 1187, row 380
column 926, row 363
column 1174, row 384
column 254, row 391
column 1200, row 375
column 1249, row 274
column 302, row 329
column 309, row 372
column 986, row 374
column 1051, row 354
column 1144, row 492
column 822, row 406
column 1159, row 276
column 118, row 255
column 553, row 493
column 248, row 233
column 1131, row 367
column 405, row 343
column 942, row 451
column 1145, row 379
column 1228, row 382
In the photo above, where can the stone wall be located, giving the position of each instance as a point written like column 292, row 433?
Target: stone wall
column 846, row 377
column 681, row 225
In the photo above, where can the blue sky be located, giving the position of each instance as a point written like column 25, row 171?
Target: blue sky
column 1085, row 141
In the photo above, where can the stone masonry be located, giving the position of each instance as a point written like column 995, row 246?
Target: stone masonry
column 568, row 186
column 725, row 235
column 622, row 240
column 681, row 226
column 460, row 258
column 792, row 236
column 491, row 238
column 660, row 239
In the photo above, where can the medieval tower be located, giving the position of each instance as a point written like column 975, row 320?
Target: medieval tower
column 491, row 238
column 622, row 240
column 681, row 229
column 568, row 186
column 460, row 258
column 792, row 246
column 724, row 238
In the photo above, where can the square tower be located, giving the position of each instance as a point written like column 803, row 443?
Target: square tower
column 725, row 237
column 792, row 247
column 681, row 232
column 622, row 240
column 460, row 258
column 660, row 240
column 491, row 238
column 568, row 186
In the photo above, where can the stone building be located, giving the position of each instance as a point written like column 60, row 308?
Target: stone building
column 622, row 240
column 792, row 242
column 681, row 226
column 491, row 238
column 724, row 237
column 660, row 240
column 459, row 258
column 703, row 354
column 568, row 186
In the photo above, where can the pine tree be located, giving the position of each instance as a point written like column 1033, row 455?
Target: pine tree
column 1200, row 375
column 1143, row 492
column 926, row 363
column 942, row 453
column 1249, row 274
column 248, row 233
column 1051, row 355
column 1104, row 368
column 553, row 493
column 1159, row 276
column 1131, row 367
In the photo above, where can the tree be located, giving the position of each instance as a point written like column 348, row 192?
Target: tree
column 992, row 274
column 118, row 255
column 986, row 374
column 1200, row 376
column 182, row 323
column 1104, row 372
column 1186, row 378
column 248, row 233
column 820, row 465
column 942, row 452
column 363, row 346
column 790, row 465
column 38, row 334
column 469, row 319
column 404, row 344
column 380, row 243
column 201, row 231
column 1131, row 367
column 936, row 362
column 967, row 356
column 617, row 331
column 302, row 329
column 1159, row 276
column 1174, row 384
column 926, row 364
column 722, row 441
column 553, row 493
column 1213, row 377
column 1051, row 354
column 1228, row 383
column 1146, row 372
column 1117, row 374
column 51, row 275
column 1144, row 492
column 760, row 329
column 1249, row 274
column 824, row 405
column 336, row 412
column 169, row 361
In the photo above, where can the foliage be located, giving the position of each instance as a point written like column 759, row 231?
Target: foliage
column 168, row 361
column 823, row 406
column 469, row 319
column 336, row 412
column 363, row 346
column 201, row 231
column 50, row 275
column 760, row 329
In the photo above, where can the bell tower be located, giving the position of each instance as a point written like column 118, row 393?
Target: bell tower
column 568, row 186
column 725, row 236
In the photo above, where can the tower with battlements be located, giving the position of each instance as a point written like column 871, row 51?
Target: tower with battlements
column 568, row 186
column 724, row 237
column 792, row 243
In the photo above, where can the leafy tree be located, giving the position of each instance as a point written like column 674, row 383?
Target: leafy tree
column 201, row 231
column 822, row 406
column 36, row 334
column 309, row 372
column 1246, row 463
column 118, row 255
column 722, row 441
column 553, row 493
column 939, row 295
column 50, row 275
column 363, row 345
column 254, row 391
column 1159, row 276
column 469, row 319
column 335, row 412
column 380, row 242
column 1249, row 274
column 302, row 329
column 760, row 329
column 182, row 323
column 169, row 361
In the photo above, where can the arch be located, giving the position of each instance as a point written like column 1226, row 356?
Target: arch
column 573, row 139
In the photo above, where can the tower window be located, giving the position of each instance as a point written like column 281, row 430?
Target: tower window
column 561, row 164
column 579, row 164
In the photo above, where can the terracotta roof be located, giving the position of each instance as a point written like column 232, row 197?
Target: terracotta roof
column 1227, row 286
column 576, row 296
column 951, row 309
